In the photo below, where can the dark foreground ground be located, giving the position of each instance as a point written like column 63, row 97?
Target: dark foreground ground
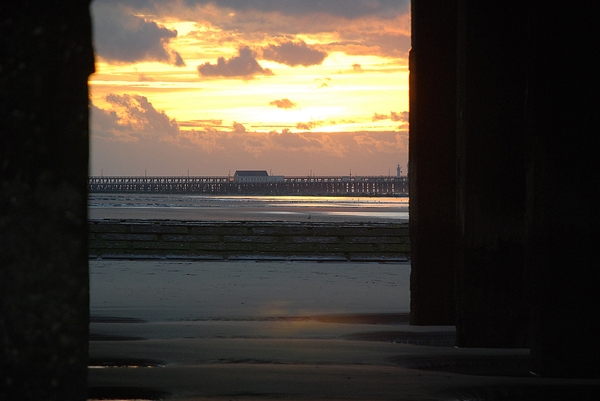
column 287, row 330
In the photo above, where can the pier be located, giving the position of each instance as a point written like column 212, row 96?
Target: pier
column 309, row 185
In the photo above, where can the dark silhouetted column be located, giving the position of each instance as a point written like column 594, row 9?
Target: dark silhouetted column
column 564, row 194
column 491, row 185
column 527, row 273
column 45, row 59
column 432, row 164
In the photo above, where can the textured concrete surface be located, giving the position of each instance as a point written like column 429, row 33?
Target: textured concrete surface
column 355, row 241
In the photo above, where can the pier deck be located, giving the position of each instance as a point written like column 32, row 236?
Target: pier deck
column 329, row 185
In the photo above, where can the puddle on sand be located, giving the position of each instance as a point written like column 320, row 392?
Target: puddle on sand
column 125, row 394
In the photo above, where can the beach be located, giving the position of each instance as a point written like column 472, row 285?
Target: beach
column 241, row 330
column 189, row 290
column 281, row 329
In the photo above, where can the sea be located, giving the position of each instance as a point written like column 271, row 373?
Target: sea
column 247, row 208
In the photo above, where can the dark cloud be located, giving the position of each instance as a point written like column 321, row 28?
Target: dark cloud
column 372, row 27
column 122, row 37
column 178, row 60
column 294, row 53
column 357, row 68
column 242, row 66
column 343, row 8
column 283, row 104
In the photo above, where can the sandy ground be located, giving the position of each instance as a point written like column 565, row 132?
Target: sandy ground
column 192, row 290
column 286, row 330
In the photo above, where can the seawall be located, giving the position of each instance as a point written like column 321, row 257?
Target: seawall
column 248, row 240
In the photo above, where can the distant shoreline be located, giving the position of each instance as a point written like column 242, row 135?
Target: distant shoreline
column 333, row 195
column 183, row 207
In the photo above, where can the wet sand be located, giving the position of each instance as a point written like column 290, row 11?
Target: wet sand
column 319, row 214
column 286, row 330
column 190, row 208
column 188, row 290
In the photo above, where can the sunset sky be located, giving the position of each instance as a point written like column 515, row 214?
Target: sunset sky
column 209, row 87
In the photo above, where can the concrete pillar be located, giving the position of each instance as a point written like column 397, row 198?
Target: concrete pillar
column 45, row 59
column 432, row 161
column 564, row 194
column 491, row 187
column 526, row 221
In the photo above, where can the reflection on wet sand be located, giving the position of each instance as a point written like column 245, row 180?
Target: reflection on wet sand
column 256, row 208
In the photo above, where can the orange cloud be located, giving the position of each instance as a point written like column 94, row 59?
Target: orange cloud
column 382, row 142
column 145, row 78
column 379, row 117
column 401, row 116
column 309, row 125
column 208, row 140
column 132, row 133
column 283, row 104
column 132, row 117
column 237, row 127
column 287, row 142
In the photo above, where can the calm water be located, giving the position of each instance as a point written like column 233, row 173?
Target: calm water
column 240, row 208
